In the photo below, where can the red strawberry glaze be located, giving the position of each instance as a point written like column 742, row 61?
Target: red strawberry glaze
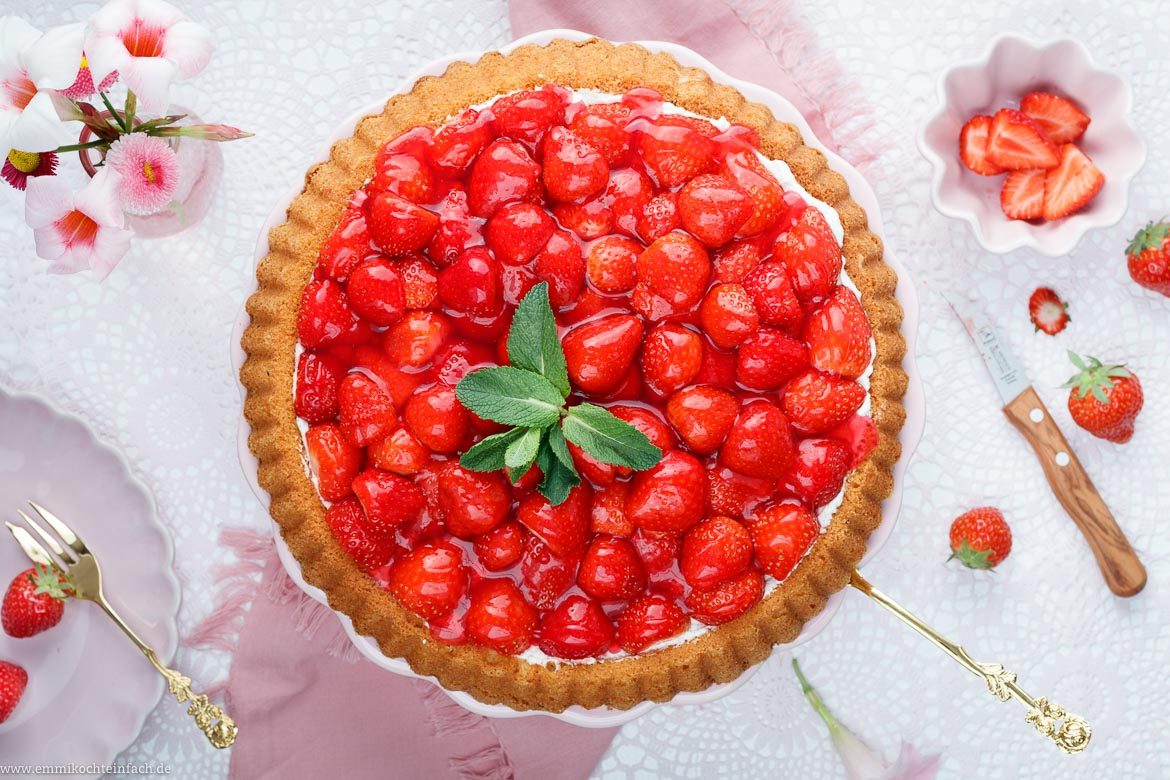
column 691, row 342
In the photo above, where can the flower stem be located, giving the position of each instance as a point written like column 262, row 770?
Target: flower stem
column 114, row 112
column 130, row 109
column 814, row 698
column 78, row 147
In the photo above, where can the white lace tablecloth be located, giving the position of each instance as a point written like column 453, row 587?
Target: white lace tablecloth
column 144, row 359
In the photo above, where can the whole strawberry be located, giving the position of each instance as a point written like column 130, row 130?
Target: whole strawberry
column 1104, row 399
column 1148, row 256
column 13, row 680
column 980, row 538
column 34, row 602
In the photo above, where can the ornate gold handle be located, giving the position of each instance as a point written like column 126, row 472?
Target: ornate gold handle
column 1071, row 733
column 220, row 729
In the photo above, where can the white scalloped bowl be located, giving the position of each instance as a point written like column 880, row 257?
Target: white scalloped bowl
column 1011, row 68
column 603, row 717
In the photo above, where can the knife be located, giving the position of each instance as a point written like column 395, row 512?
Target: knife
column 1123, row 572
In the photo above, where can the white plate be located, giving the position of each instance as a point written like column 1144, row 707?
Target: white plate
column 602, row 717
column 89, row 688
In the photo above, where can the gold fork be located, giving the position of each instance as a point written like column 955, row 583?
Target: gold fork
column 80, row 567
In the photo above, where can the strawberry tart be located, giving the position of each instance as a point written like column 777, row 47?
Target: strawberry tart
column 575, row 378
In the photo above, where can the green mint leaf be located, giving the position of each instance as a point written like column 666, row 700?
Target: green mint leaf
column 609, row 439
column 511, row 396
column 488, row 453
column 559, row 447
column 517, row 474
column 559, row 479
column 532, row 340
column 522, row 451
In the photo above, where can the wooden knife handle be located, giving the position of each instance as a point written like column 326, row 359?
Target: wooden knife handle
column 1123, row 572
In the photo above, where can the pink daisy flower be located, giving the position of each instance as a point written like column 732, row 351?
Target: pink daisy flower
column 148, row 169
column 83, row 86
column 19, row 166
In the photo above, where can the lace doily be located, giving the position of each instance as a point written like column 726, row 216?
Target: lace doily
column 144, row 359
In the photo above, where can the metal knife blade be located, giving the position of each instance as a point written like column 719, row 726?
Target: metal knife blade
column 1009, row 376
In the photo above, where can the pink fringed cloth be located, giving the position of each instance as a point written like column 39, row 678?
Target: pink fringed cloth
column 307, row 704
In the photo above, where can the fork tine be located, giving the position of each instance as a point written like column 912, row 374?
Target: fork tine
column 64, row 531
column 67, row 557
column 32, row 548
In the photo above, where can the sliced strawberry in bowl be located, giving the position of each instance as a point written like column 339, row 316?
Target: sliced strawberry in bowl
column 1070, row 186
column 1022, row 196
column 1017, row 143
column 973, row 146
column 1060, row 118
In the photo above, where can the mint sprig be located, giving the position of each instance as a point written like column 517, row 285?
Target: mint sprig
column 530, row 395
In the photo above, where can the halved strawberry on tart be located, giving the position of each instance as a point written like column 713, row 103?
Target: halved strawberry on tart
column 575, row 397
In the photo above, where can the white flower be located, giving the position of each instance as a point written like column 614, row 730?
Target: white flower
column 150, row 43
column 78, row 230
column 862, row 762
column 31, row 66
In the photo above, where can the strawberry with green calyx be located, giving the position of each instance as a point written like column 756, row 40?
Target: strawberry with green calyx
column 1148, row 257
column 529, row 395
column 1104, row 399
column 980, row 538
column 13, row 680
column 34, row 602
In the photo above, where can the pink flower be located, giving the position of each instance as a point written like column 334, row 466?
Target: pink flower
column 862, row 762
column 19, row 166
column 148, row 172
column 83, row 86
column 78, row 230
column 32, row 65
column 150, row 43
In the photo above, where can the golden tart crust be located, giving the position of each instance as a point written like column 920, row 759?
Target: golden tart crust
column 722, row 653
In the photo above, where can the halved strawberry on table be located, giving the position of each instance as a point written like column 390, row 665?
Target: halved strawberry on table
column 1047, row 311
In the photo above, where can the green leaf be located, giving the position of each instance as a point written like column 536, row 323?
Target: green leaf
column 559, row 448
column 522, row 451
column 517, row 474
column 532, row 340
column 609, row 439
column 559, row 479
column 488, row 454
column 511, row 396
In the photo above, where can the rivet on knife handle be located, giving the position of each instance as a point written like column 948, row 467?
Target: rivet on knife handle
column 1123, row 572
